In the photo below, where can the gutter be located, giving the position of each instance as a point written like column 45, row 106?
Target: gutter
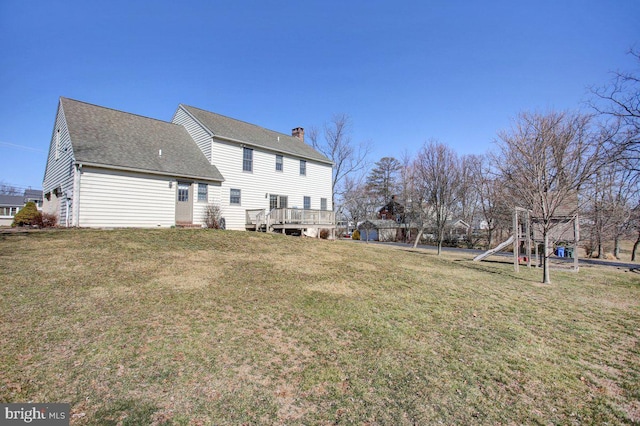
column 262, row 147
column 150, row 172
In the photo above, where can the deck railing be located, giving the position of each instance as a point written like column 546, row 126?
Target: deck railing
column 255, row 218
column 287, row 216
column 301, row 217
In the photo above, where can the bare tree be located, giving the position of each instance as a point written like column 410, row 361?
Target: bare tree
column 545, row 160
column 613, row 195
column 635, row 225
column 358, row 202
column 6, row 189
column 437, row 173
column 335, row 144
column 469, row 197
column 620, row 102
column 494, row 211
column 409, row 196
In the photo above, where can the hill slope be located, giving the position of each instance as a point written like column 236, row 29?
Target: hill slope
column 201, row 326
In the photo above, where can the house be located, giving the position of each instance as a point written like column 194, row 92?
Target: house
column 9, row 206
column 381, row 230
column 458, row 229
column 271, row 179
column 34, row 195
column 392, row 211
column 109, row 168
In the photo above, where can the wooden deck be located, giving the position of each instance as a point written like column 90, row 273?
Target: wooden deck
column 279, row 220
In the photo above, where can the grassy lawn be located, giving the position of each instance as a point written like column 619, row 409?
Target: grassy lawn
column 214, row 327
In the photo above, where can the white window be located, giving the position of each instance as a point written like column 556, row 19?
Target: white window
column 278, row 163
column 8, row 211
column 234, row 196
column 247, row 159
column 202, row 192
column 323, row 203
column 303, row 167
column 307, row 203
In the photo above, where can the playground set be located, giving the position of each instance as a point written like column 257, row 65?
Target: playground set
column 528, row 241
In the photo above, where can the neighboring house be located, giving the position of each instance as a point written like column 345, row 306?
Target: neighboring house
column 34, row 195
column 108, row 168
column 9, row 206
column 381, row 230
column 389, row 226
column 392, row 211
column 458, row 229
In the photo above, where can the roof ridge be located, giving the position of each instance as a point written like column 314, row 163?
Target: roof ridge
column 238, row 120
column 118, row 110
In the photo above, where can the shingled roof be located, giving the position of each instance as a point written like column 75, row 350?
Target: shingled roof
column 11, row 200
column 251, row 134
column 111, row 138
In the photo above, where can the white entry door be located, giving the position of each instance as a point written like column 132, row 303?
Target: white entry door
column 184, row 203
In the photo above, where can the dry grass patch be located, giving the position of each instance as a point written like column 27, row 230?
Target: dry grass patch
column 203, row 326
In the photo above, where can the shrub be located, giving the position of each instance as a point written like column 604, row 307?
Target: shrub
column 213, row 217
column 27, row 216
column 355, row 235
column 324, row 234
column 46, row 220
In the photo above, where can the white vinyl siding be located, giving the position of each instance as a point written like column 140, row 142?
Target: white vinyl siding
column 121, row 199
column 59, row 171
column 257, row 186
column 195, row 130
column 199, row 208
column 118, row 199
column 264, row 180
column 57, row 136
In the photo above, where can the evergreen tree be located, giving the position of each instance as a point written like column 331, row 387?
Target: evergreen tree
column 383, row 179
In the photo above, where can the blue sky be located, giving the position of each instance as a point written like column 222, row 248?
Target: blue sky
column 406, row 72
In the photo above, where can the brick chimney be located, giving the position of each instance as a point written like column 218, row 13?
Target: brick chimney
column 298, row 132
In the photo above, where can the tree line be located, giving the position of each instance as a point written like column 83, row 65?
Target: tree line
column 540, row 163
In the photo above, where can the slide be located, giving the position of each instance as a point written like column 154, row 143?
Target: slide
column 493, row 250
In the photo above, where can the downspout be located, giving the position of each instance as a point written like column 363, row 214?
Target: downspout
column 66, row 216
column 76, row 196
